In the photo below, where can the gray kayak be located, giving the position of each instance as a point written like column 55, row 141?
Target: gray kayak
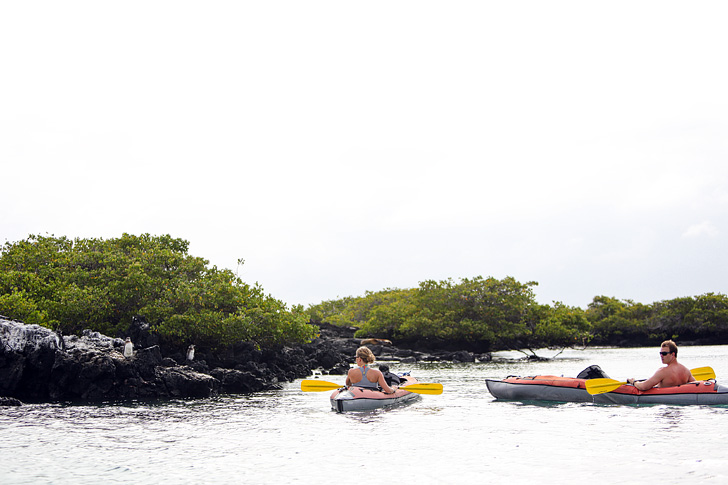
column 570, row 389
column 539, row 388
column 360, row 399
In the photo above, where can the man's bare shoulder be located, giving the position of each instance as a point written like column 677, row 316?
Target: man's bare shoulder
column 662, row 371
column 684, row 368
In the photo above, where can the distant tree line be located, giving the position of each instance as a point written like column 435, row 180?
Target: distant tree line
column 701, row 319
column 487, row 314
column 71, row 285
column 98, row 284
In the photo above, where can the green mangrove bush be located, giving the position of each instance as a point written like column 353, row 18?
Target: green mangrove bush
column 479, row 313
column 101, row 284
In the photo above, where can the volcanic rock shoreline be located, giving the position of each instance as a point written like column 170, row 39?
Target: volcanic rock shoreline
column 39, row 365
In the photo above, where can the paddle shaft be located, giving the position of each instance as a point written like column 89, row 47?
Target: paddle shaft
column 314, row 385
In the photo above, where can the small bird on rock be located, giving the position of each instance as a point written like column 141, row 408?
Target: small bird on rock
column 128, row 348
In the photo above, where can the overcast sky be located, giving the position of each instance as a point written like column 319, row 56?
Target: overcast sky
column 340, row 147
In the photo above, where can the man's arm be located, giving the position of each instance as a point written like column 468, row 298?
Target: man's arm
column 652, row 381
column 692, row 377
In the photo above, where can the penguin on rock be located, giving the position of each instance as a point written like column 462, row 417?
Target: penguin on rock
column 128, row 348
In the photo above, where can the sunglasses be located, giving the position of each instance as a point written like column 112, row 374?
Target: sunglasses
column 665, row 353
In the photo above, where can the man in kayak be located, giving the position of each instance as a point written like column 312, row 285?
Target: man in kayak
column 673, row 374
column 365, row 376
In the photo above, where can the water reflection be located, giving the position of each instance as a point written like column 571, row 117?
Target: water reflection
column 670, row 417
column 365, row 417
column 461, row 436
column 376, row 415
column 547, row 404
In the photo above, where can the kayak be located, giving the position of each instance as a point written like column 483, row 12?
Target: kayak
column 540, row 388
column 360, row 399
column 571, row 389
column 698, row 392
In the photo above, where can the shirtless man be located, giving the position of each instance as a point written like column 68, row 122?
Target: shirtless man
column 674, row 374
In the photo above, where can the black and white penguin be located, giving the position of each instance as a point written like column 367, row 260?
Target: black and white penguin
column 60, row 344
column 128, row 348
column 191, row 353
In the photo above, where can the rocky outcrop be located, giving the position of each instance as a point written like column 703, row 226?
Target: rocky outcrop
column 335, row 348
column 37, row 364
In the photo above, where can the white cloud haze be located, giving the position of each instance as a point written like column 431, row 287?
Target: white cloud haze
column 342, row 147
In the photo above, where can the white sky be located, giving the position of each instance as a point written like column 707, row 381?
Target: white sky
column 340, row 147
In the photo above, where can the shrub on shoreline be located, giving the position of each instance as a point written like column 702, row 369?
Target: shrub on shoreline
column 100, row 284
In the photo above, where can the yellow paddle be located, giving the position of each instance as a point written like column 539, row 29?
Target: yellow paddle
column 703, row 373
column 314, row 385
column 599, row 386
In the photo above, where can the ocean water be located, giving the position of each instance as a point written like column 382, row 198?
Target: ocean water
column 461, row 436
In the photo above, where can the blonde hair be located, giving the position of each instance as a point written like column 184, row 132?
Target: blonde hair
column 670, row 345
column 365, row 354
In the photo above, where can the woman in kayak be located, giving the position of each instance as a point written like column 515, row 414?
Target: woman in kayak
column 365, row 376
column 674, row 374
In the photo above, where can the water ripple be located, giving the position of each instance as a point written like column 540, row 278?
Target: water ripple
column 460, row 436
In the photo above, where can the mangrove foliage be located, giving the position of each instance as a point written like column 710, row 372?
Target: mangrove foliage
column 98, row 284
column 487, row 314
column 481, row 314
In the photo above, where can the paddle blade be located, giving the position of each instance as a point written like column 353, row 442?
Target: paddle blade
column 600, row 386
column 314, row 385
column 424, row 388
column 703, row 373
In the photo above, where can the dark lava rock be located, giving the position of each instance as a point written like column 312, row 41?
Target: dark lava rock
column 238, row 382
column 34, row 366
column 39, row 365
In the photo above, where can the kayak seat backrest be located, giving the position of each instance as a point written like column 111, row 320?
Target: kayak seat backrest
column 593, row 372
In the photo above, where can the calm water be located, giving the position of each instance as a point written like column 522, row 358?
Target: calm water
column 460, row 436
